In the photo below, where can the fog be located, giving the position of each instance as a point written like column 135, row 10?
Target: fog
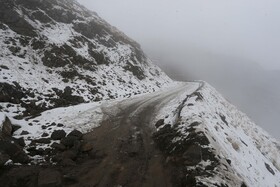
column 233, row 45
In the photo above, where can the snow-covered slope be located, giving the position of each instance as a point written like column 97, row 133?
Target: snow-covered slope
column 217, row 144
column 57, row 53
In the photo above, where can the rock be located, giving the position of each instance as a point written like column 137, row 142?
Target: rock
column 58, row 134
column 15, row 128
column 159, row 123
column 269, row 168
column 44, row 135
column 223, row 118
column 15, row 152
column 20, row 141
column 3, row 158
column 69, row 141
column 42, row 140
column 76, row 133
column 192, row 155
column 69, row 154
column 47, row 151
column 58, row 146
column 6, row 129
column 34, row 151
column 59, row 125
column 49, row 178
column 87, row 147
column 10, row 93
column 57, row 158
column 228, row 161
column 53, row 124
column 24, row 133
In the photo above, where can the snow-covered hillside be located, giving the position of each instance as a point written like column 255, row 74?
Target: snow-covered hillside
column 57, row 53
column 216, row 143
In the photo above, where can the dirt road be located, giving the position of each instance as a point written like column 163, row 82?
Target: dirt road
column 124, row 141
column 121, row 152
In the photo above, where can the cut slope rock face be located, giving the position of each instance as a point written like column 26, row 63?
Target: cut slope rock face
column 57, row 53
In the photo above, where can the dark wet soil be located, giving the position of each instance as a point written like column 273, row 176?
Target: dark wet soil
column 130, row 156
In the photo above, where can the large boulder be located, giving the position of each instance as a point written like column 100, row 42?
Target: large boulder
column 58, row 134
column 58, row 146
column 6, row 129
column 69, row 141
column 73, row 138
column 11, row 93
column 14, row 151
column 76, row 133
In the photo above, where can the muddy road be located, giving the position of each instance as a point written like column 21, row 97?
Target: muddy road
column 124, row 141
column 121, row 152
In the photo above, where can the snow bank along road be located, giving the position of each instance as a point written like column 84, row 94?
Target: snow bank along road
column 127, row 153
column 187, row 135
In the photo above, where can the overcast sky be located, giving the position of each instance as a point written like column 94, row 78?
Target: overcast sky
column 244, row 28
column 219, row 41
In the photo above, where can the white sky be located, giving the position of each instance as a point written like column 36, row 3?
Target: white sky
column 242, row 28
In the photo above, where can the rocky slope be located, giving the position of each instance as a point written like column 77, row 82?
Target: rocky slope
column 65, row 119
column 215, row 144
column 57, row 53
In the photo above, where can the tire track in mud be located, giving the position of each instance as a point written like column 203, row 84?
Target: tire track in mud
column 126, row 153
column 122, row 150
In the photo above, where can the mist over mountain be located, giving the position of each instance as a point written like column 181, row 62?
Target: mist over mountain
column 245, row 83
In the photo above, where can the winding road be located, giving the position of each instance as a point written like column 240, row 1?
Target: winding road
column 125, row 151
